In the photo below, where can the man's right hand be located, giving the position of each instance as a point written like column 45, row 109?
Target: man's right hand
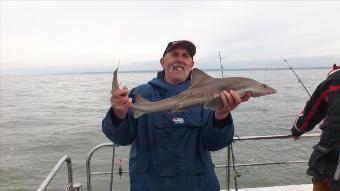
column 120, row 102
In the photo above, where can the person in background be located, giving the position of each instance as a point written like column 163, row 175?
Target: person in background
column 171, row 151
column 323, row 105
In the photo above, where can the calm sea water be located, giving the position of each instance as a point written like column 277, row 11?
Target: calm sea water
column 43, row 118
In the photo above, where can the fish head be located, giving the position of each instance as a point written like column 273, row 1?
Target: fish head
column 255, row 88
column 260, row 89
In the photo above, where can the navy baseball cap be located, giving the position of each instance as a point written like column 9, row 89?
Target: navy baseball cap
column 182, row 43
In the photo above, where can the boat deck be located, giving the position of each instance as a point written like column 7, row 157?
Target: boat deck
column 302, row 187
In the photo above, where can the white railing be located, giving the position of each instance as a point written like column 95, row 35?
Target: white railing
column 228, row 166
column 70, row 186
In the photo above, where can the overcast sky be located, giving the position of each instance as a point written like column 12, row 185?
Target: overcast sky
column 92, row 36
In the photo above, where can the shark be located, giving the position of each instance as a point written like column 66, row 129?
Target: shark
column 204, row 90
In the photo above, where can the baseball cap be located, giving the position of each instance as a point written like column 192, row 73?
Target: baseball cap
column 182, row 43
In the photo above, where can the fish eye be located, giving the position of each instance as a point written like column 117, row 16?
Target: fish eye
column 264, row 85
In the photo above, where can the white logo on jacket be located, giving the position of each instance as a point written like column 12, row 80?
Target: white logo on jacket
column 178, row 120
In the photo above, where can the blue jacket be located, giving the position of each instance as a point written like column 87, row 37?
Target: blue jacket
column 170, row 151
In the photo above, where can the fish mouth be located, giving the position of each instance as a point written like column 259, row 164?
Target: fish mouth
column 267, row 91
column 270, row 91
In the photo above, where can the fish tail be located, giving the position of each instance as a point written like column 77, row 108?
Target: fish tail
column 115, row 81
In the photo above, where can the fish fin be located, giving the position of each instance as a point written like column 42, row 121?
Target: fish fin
column 141, row 101
column 179, row 108
column 198, row 76
column 214, row 103
column 137, row 113
column 115, row 81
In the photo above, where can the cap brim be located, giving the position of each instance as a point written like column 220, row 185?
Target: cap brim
column 185, row 44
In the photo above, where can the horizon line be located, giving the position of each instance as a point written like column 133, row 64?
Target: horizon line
column 208, row 69
column 157, row 70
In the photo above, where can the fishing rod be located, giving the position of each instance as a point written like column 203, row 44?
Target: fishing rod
column 230, row 158
column 219, row 55
column 297, row 77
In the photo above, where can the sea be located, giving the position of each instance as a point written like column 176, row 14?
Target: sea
column 43, row 117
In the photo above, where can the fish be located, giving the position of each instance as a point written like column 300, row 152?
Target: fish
column 204, row 90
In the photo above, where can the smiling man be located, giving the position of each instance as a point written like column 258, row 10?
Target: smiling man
column 177, row 61
column 171, row 151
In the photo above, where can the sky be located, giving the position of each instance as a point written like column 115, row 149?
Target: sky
column 42, row 37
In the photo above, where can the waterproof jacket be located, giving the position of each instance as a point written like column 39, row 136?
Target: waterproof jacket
column 170, row 151
column 323, row 105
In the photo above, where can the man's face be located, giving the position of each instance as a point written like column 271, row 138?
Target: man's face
column 177, row 65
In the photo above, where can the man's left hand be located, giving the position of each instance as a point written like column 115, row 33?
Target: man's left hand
column 230, row 101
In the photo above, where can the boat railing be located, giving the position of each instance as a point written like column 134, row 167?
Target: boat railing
column 88, row 165
column 228, row 166
column 70, row 186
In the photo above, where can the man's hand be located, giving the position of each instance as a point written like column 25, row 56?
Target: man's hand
column 230, row 101
column 296, row 133
column 120, row 102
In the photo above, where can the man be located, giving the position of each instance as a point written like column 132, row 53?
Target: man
column 323, row 105
column 171, row 151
